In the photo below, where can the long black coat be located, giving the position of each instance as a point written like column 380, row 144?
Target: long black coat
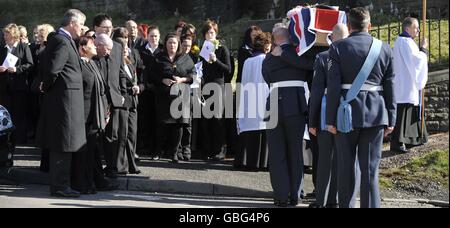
column 244, row 53
column 149, row 75
column 126, row 86
column 62, row 126
column 90, row 93
column 17, row 82
column 183, row 67
column 110, row 68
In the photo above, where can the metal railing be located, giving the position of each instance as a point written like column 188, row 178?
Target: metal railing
column 436, row 34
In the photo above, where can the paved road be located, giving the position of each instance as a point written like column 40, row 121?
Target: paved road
column 37, row 196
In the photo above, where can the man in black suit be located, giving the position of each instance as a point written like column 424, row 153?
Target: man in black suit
column 109, row 61
column 283, row 69
column 63, row 130
column 133, row 40
column 373, row 110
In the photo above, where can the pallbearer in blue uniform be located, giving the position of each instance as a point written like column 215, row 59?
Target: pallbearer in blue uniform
column 285, row 70
column 326, row 185
column 360, row 107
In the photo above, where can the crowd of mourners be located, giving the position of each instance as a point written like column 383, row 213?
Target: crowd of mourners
column 96, row 101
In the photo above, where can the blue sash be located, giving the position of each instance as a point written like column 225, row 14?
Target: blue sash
column 323, row 113
column 344, row 114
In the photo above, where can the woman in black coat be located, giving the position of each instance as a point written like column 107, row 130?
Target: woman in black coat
column 215, row 72
column 87, row 172
column 128, row 116
column 176, row 71
column 14, row 83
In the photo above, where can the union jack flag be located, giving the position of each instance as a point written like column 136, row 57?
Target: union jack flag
column 306, row 22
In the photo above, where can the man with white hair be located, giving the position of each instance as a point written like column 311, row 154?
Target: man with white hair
column 326, row 183
column 411, row 76
column 63, row 131
column 133, row 40
column 109, row 61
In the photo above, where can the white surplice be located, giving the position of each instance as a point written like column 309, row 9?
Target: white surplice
column 253, row 95
column 411, row 71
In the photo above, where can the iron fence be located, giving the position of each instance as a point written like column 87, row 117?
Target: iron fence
column 436, row 34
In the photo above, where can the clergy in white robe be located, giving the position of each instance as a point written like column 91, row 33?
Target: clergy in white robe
column 411, row 75
column 254, row 91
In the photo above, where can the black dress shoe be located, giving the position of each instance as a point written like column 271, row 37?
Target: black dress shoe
column 187, row 157
column 219, row 157
column 179, row 156
column 315, row 205
column 67, row 193
column 302, row 195
column 136, row 172
column 311, row 195
column 400, row 148
column 293, row 203
column 280, row 203
column 332, row 205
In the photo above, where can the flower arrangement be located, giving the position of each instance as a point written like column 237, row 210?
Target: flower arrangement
column 216, row 44
column 195, row 50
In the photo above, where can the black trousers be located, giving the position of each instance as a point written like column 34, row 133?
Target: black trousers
column 127, row 140
column 87, row 169
column 60, row 171
column 45, row 160
column 364, row 144
column 16, row 104
column 253, row 153
column 214, row 136
column 232, row 137
column 315, row 157
column 326, row 185
column 111, row 141
column 169, row 139
column 147, row 124
column 34, row 110
column 286, row 157
column 186, row 139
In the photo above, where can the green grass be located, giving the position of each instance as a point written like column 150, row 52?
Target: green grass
column 433, row 167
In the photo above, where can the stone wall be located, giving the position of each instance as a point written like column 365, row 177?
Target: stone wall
column 437, row 101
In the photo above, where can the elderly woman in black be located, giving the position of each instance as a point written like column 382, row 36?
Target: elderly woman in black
column 175, row 71
column 87, row 172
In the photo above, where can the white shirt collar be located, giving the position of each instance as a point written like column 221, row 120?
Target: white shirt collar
column 85, row 59
column 149, row 47
column 128, row 71
column 11, row 48
column 66, row 32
